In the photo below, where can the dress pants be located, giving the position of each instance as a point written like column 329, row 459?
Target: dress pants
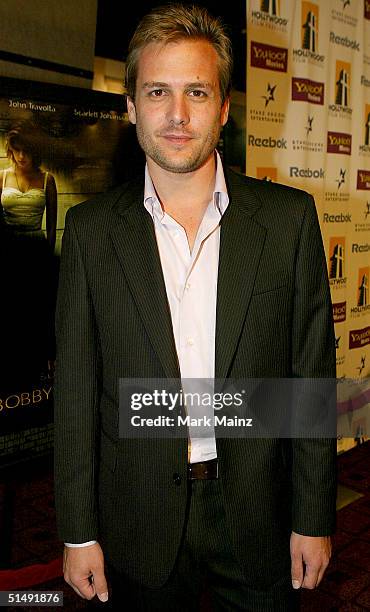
column 205, row 561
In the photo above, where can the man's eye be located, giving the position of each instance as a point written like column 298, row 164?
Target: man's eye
column 156, row 93
column 197, row 93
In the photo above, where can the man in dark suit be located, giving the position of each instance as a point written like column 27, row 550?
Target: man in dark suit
column 189, row 272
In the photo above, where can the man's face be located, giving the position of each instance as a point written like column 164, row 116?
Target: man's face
column 177, row 108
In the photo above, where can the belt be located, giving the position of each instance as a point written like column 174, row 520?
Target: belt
column 203, row 470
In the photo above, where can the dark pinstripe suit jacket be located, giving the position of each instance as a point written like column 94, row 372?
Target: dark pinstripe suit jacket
column 273, row 319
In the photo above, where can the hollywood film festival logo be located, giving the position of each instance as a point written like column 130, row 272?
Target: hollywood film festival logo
column 341, row 108
column 265, row 109
column 309, row 50
column 266, row 13
column 362, row 292
column 336, row 270
column 364, row 148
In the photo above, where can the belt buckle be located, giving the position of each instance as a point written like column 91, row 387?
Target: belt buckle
column 204, row 474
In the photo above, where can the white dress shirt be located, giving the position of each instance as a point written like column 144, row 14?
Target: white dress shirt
column 191, row 285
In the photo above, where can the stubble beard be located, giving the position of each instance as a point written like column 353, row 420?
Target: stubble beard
column 198, row 155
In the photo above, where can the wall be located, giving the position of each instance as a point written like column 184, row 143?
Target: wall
column 49, row 41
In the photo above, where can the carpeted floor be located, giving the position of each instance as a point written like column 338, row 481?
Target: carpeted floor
column 345, row 588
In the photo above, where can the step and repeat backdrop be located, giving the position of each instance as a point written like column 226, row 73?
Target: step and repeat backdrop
column 308, row 125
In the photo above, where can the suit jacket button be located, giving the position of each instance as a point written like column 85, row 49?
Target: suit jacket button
column 177, row 479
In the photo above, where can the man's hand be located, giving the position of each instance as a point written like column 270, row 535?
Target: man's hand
column 83, row 569
column 310, row 558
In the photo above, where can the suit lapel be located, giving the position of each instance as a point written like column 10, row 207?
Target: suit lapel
column 134, row 240
column 241, row 246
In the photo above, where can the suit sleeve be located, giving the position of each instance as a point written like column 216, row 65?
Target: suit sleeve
column 76, row 397
column 313, row 356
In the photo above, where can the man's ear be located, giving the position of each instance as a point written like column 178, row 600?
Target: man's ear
column 225, row 111
column 131, row 110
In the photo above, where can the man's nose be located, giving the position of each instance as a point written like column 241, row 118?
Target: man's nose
column 178, row 112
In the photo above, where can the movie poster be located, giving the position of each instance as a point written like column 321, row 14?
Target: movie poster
column 58, row 147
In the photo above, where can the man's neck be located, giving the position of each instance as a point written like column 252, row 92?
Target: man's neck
column 185, row 196
column 186, row 193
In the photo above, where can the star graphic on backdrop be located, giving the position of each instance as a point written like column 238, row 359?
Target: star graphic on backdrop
column 270, row 94
column 342, row 178
column 367, row 211
column 309, row 125
column 362, row 366
column 337, row 342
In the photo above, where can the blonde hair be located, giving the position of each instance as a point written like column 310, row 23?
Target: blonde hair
column 174, row 22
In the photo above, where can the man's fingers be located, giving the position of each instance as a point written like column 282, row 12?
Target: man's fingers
column 100, row 586
column 313, row 554
column 310, row 577
column 84, row 571
column 314, row 574
column 322, row 572
column 297, row 571
column 82, row 586
column 103, row 596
